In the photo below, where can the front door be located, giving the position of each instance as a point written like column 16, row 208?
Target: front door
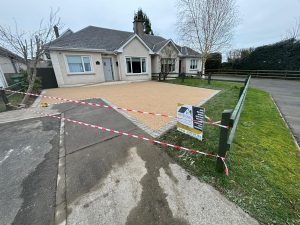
column 108, row 71
column 180, row 66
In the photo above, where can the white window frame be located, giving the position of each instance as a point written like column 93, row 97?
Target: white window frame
column 173, row 60
column 82, row 56
column 141, row 57
column 195, row 64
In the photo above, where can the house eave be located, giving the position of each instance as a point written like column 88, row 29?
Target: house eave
column 121, row 48
column 169, row 41
column 81, row 50
column 190, row 56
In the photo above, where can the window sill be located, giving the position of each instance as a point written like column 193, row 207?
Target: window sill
column 89, row 73
column 136, row 74
column 193, row 69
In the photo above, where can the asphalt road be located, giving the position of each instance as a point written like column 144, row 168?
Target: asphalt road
column 28, row 171
column 286, row 94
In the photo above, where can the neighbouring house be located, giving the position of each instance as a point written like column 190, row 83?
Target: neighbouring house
column 10, row 64
column 94, row 55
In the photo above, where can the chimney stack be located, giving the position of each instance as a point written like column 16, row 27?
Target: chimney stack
column 56, row 31
column 138, row 25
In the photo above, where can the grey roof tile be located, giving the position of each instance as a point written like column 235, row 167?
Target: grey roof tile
column 93, row 38
column 186, row 51
column 108, row 39
column 6, row 53
column 153, row 42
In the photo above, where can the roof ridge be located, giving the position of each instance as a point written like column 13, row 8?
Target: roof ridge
column 159, row 43
column 109, row 29
column 124, row 41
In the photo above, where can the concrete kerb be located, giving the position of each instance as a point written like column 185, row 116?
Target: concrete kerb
column 38, row 100
column 132, row 119
column 285, row 122
column 61, row 204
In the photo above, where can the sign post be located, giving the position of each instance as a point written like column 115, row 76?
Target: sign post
column 190, row 120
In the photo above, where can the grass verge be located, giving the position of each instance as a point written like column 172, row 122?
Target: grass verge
column 263, row 161
column 15, row 100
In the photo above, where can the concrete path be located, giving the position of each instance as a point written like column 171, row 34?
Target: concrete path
column 286, row 94
column 101, row 177
column 28, row 171
column 112, row 179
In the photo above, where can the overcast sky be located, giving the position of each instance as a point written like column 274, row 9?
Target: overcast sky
column 261, row 21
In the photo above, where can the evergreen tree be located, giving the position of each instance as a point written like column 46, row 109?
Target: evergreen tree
column 283, row 55
column 146, row 21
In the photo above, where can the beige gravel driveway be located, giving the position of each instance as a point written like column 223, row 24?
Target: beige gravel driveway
column 151, row 96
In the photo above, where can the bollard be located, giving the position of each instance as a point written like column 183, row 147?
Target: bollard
column 224, row 132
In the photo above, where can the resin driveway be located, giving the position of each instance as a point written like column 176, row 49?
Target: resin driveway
column 150, row 96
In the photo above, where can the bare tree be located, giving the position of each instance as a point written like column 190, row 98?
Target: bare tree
column 239, row 54
column 294, row 32
column 30, row 45
column 206, row 25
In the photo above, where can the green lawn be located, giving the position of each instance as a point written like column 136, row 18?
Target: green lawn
column 264, row 162
column 14, row 100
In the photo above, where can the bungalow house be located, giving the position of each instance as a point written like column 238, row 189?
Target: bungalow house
column 10, row 64
column 94, row 55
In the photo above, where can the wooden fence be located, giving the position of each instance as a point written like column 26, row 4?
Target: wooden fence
column 159, row 76
column 274, row 74
column 230, row 118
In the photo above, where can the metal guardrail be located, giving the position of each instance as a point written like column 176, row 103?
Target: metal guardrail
column 279, row 74
column 230, row 118
column 235, row 116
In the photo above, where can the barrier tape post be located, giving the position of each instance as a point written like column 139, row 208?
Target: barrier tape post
column 223, row 146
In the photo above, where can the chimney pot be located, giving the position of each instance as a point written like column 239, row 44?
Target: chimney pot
column 138, row 25
column 56, row 31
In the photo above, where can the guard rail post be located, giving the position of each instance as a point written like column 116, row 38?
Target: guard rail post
column 224, row 132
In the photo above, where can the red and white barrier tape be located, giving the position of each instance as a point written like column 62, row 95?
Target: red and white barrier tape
column 133, row 136
column 210, row 121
